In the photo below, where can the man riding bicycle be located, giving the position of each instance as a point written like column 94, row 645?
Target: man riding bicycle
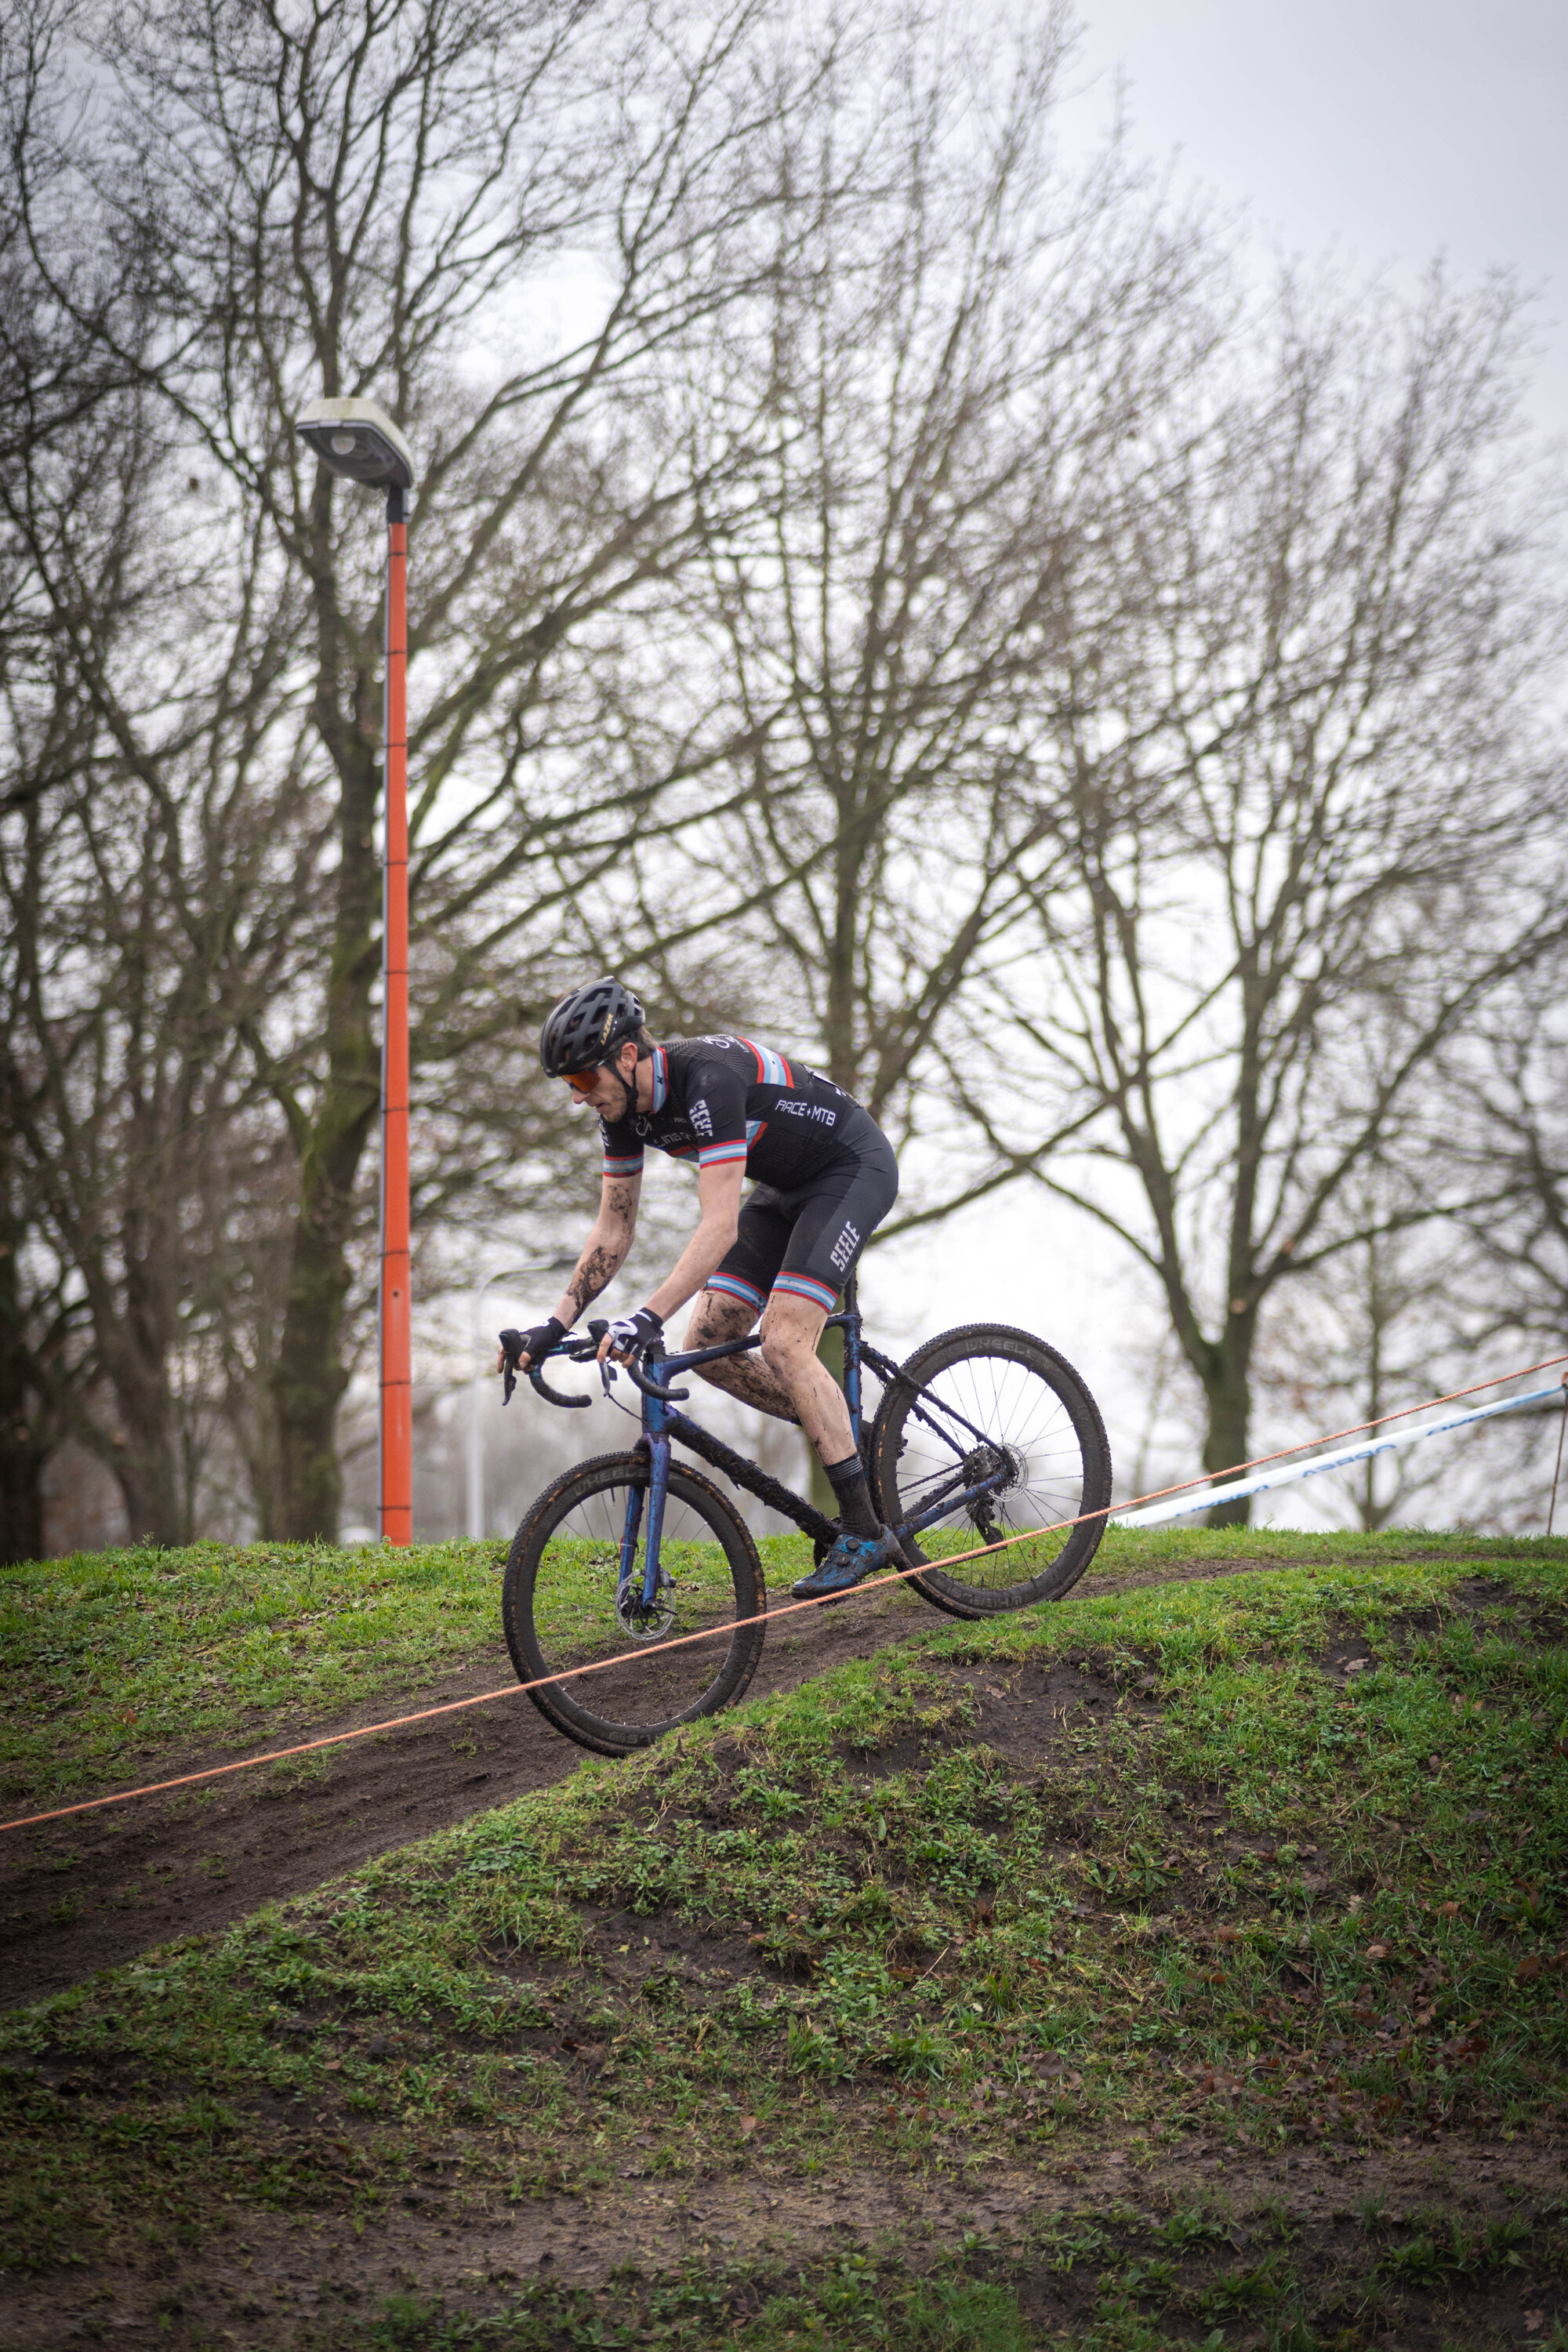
column 824, row 1177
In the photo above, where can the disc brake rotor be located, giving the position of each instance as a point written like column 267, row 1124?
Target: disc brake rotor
column 642, row 1622
column 1007, row 1465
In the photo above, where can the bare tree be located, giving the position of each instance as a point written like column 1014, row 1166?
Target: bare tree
column 1496, row 1143
column 145, row 929
column 375, row 199
column 951, row 368
column 1315, row 811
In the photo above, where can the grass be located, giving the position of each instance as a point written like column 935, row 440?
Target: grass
column 117, row 1659
column 1263, row 1903
column 114, row 1657
column 854, row 2301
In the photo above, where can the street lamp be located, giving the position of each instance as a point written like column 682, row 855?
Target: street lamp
column 359, row 441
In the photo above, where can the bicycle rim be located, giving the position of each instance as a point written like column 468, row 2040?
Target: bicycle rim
column 993, row 1388
column 566, row 1605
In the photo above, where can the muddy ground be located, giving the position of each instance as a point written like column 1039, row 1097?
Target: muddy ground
column 93, row 1891
column 294, row 2282
column 85, row 1894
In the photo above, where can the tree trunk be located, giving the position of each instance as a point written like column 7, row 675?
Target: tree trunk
column 21, row 1455
column 143, row 1461
column 310, row 1375
column 1228, row 1383
column 134, row 1347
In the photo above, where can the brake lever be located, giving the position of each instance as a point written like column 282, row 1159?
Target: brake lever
column 512, row 1356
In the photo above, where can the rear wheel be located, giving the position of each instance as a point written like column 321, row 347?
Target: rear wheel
column 563, row 1607
column 990, row 1401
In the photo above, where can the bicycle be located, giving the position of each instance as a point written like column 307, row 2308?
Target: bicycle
column 983, row 1432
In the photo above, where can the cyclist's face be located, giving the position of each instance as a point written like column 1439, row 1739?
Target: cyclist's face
column 601, row 1090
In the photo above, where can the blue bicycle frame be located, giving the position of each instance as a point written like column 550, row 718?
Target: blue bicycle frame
column 663, row 1421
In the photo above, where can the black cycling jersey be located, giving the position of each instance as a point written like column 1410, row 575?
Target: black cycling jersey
column 826, row 1174
column 719, row 1099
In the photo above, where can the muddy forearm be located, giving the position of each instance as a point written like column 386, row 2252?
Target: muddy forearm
column 604, row 1255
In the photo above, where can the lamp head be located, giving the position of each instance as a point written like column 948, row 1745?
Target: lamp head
column 358, row 440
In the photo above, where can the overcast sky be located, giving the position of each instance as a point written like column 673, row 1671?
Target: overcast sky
column 1384, row 132
column 1387, row 129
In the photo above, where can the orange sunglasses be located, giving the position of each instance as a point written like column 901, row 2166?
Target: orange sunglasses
column 582, row 1082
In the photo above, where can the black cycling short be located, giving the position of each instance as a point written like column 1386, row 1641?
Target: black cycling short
column 807, row 1242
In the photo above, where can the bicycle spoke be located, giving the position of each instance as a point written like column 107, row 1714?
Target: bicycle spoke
column 990, row 1413
column 570, row 1606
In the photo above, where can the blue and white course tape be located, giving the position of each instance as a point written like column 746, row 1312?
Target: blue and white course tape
column 1156, row 1514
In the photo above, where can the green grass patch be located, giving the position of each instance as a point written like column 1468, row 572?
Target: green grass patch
column 849, row 2303
column 116, row 1659
column 1297, row 1882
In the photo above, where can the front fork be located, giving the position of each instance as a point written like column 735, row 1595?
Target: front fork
column 656, row 1444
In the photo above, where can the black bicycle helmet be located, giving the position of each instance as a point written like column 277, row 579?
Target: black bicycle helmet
column 588, row 1027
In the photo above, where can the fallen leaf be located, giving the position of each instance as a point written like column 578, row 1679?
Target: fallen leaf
column 1527, row 1970
column 1377, row 1952
column 748, row 2126
column 1447, row 1910
column 1535, row 2321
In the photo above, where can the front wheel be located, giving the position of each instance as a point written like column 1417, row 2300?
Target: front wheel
column 991, row 1403
column 565, row 1608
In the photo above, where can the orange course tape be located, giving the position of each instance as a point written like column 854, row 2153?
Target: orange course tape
column 790, row 1608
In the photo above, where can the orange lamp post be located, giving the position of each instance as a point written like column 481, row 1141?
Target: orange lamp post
column 359, row 441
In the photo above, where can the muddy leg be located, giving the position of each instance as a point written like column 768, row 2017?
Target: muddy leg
column 717, row 1317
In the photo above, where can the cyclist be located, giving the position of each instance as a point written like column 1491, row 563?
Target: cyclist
column 825, row 1178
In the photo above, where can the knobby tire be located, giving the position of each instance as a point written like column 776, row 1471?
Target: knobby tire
column 559, row 1608
column 1024, row 1396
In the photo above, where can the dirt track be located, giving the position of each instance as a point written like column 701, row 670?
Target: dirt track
column 94, row 1891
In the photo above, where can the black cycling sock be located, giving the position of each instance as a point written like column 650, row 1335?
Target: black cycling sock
column 848, row 1480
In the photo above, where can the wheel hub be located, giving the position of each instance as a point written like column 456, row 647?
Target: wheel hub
column 1007, row 1466
column 643, row 1621
column 1004, row 1463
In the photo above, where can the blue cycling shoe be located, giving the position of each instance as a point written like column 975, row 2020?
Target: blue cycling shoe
column 851, row 1559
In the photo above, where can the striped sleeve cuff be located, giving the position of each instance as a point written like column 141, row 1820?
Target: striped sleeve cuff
column 721, row 1155
column 622, row 1166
